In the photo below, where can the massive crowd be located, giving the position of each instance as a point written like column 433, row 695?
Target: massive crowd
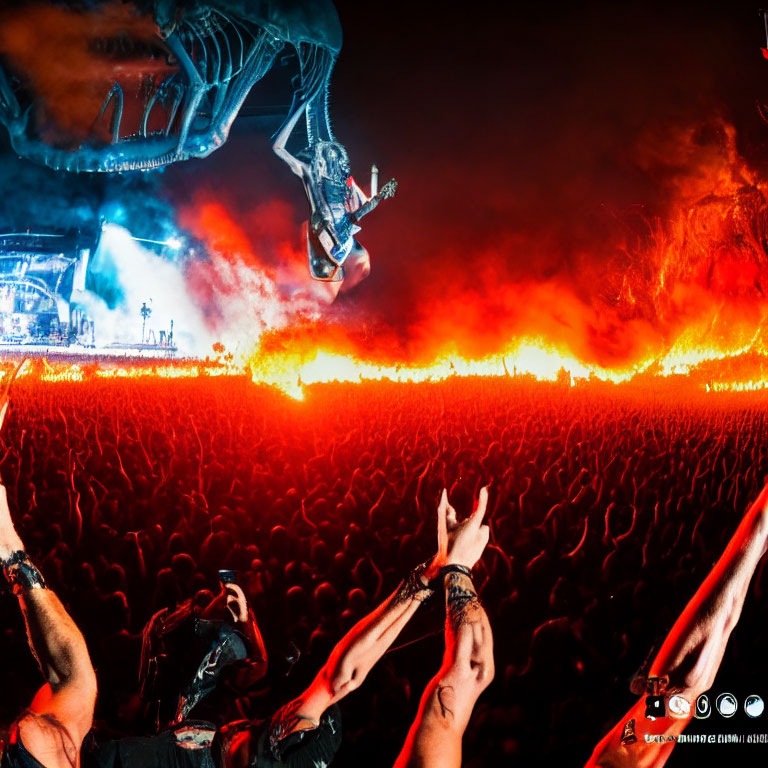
column 608, row 507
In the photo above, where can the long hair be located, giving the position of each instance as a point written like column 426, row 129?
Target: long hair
column 46, row 722
column 330, row 161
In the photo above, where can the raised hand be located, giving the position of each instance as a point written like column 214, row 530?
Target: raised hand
column 236, row 602
column 461, row 543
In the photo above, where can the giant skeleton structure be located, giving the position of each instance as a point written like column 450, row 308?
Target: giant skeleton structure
column 170, row 77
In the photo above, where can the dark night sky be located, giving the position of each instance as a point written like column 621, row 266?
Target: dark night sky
column 528, row 121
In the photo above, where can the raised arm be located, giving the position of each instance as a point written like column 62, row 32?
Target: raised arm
column 61, row 712
column 307, row 719
column 357, row 652
column 434, row 740
column 244, row 618
column 690, row 656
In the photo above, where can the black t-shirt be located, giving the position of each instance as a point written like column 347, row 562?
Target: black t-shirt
column 189, row 745
column 186, row 746
column 15, row 756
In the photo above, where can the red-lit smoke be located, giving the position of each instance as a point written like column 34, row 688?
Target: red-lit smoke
column 690, row 270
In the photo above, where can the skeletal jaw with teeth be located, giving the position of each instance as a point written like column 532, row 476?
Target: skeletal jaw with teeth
column 115, row 86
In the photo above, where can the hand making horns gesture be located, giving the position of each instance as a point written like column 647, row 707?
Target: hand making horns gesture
column 461, row 543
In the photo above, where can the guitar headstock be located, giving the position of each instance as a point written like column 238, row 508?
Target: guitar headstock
column 388, row 190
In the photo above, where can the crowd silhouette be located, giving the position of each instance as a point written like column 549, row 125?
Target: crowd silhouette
column 608, row 506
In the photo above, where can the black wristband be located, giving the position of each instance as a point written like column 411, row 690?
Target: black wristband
column 455, row 568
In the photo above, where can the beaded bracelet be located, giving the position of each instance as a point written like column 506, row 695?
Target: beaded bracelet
column 414, row 587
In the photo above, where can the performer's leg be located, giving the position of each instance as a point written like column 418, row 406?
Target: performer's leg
column 691, row 653
column 61, row 712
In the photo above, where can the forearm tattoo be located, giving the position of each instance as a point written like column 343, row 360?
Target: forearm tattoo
column 461, row 601
column 21, row 573
column 445, row 698
column 414, row 587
